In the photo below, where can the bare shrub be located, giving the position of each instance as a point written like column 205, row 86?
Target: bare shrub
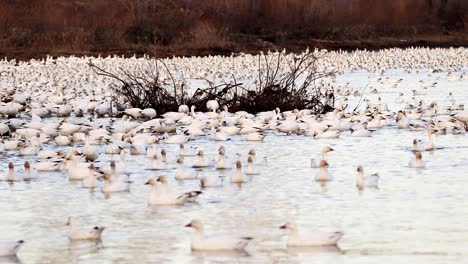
column 287, row 82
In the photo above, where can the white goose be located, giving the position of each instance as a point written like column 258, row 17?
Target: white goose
column 28, row 174
column 238, row 176
column 90, row 181
column 250, row 167
column 74, row 233
column 12, row 177
column 222, row 163
column 201, row 163
column 156, row 163
column 366, row 181
column 114, row 183
column 210, row 181
column 316, row 163
column 10, row 248
column 417, row 162
column 181, row 173
column 315, row 239
column 184, row 153
column 161, row 195
column 323, row 174
column 202, row 242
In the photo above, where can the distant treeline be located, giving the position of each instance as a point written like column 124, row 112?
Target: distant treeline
column 82, row 26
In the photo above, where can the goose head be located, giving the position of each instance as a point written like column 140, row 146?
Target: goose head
column 162, row 179
column 200, row 153
column 418, row 155
column 238, row 164
column 289, row 225
column 221, row 150
column 252, row 152
column 151, row 182
column 327, row 149
column 250, row 160
column 27, row 166
column 180, row 160
column 10, row 165
column 196, row 224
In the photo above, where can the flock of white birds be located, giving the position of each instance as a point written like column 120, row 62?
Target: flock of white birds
column 60, row 112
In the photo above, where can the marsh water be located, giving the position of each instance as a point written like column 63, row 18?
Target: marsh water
column 415, row 216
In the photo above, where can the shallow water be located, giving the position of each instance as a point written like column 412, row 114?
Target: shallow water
column 416, row 215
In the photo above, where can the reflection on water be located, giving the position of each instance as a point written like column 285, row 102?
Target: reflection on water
column 415, row 216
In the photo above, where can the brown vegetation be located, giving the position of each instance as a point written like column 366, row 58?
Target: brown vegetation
column 282, row 81
column 38, row 27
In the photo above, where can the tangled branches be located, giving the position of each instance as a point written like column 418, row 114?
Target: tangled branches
column 286, row 82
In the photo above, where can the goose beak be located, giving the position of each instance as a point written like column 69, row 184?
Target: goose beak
column 188, row 225
column 283, row 227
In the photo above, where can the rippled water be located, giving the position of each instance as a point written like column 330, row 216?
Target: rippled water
column 416, row 216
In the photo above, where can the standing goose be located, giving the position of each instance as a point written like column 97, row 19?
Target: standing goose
column 366, row 181
column 94, row 233
column 161, row 195
column 202, row 242
column 315, row 163
column 316, row 239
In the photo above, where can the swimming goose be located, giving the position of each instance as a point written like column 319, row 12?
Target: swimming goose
column 90, row 181
column 10, row 248
column 222, row 164
column 162, row 195
column 181, row 173
column 315, row 163
column 28, row 174
column 156, row 164
column 202, row 242
column 238, row 176
column 12, row 177
column 78, row 172
column 250, row 169
column 368, row 180
column 316, row 239
column 417, row 162
column 184, row 152
column 175, row 139
column 217, row 135
column 90, row 152
column 255, row 136
column 113, row 183
column 210, row 181
column 200, row 163
column 47, row 165
column 49, row 154
column 74, row 233
column 323, row 174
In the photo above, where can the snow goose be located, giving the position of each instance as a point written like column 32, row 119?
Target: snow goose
column 162, row 195
column 175, row 139
column 90, row 152
column 250, row 167
column 184, row 153
column 49, row 154
column 255, row 136
column 316, row 239
column 78, row 172
column 217, row 135
column 210, row 181
column 417, row 162
column 10, row 248
column 323, row 174
column 202, row 242
column 47, row 165
column 112, row 183
column 366, row 181
column 28, row 174
column 156, row 163
column 222, row 163
column 74, row 233
column 327, row 134
column 315, row 163
column 90, row 181
column 201, row 163
column 238, row 176
column 181, row 173
column 12, row 177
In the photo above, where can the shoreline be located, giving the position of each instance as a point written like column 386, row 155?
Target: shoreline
column 452, row 40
